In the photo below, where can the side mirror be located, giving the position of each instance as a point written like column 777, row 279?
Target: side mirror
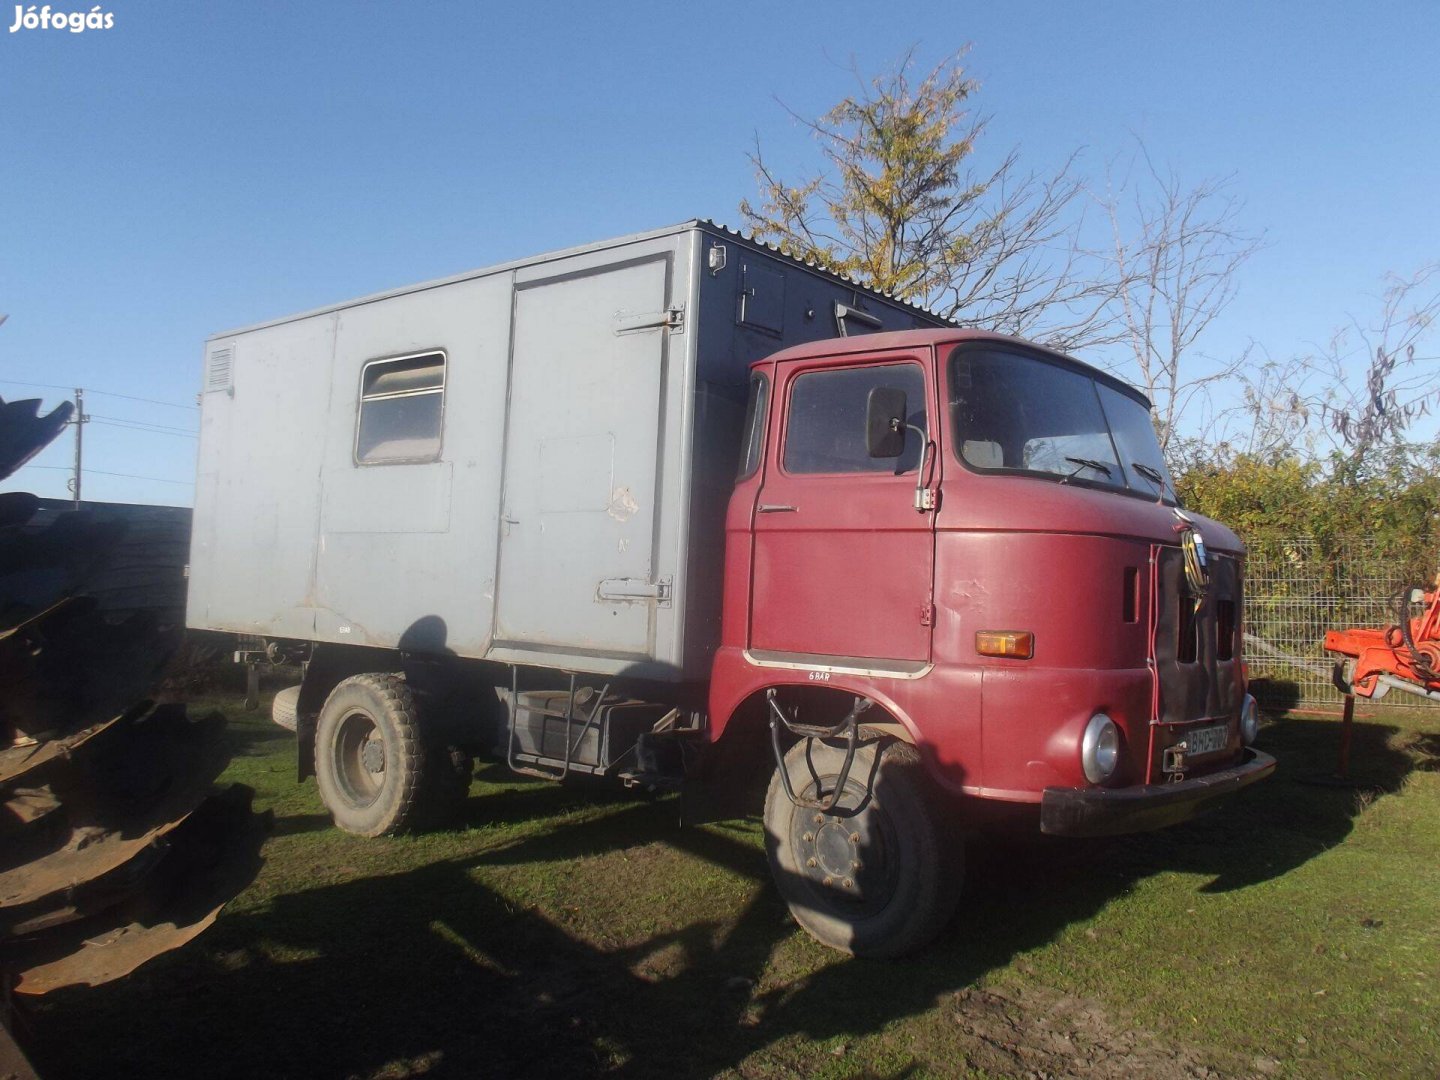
column 885, row 422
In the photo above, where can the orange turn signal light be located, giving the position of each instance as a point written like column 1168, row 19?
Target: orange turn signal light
column 1013, row 644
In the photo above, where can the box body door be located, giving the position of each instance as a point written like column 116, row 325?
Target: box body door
column 578, row 529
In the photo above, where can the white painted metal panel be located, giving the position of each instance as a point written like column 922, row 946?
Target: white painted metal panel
column 409, row 542
column 253, row 545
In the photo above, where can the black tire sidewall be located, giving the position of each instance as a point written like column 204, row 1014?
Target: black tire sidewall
column 927, row 886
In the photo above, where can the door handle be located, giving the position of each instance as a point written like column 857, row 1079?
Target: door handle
column 775, row 508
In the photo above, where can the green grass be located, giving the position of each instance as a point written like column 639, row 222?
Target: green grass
column 565, row 932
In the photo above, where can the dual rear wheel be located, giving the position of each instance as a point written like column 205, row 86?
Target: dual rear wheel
column 377, row 769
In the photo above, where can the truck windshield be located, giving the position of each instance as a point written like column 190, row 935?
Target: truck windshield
column 1015, row 412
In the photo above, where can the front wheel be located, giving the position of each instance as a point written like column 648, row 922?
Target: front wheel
column 881, row 882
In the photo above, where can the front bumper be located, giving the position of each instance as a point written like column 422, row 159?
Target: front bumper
column 1111, row 811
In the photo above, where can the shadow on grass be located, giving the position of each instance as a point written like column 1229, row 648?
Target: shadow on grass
column 251, row 734
column 433, row 972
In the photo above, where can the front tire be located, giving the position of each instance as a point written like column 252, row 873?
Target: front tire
column 369, row 754
column 880, row 883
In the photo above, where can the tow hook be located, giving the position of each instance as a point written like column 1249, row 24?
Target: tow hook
column 1173, row 761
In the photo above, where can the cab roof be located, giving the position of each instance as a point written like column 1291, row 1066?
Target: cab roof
column 840, row 348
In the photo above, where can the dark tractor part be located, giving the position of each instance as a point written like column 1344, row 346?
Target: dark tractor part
column 880, row 875
column 24, row 432
column 370, row 757
column 114, row 846
column 115, row 849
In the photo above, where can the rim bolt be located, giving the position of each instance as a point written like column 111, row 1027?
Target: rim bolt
column 809, row 837
column 854, row 838
column 811, row 863
column 819, row 819
column 856, row 866
column 828, row 881
column 849, row 884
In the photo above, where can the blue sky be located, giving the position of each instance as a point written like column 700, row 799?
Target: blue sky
column 201, row 166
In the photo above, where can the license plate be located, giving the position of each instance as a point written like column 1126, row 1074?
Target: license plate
column 1207, row 740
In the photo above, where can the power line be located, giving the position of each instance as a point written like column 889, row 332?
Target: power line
column 147, row 423
column 105, row 393
column 143, row 425
column 147, row 430
column 132, row 476
column 152, row 401
column 124, row 475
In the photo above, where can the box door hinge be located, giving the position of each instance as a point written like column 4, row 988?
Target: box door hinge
column 927, row 615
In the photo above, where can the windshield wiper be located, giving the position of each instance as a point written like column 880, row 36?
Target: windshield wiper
column 1154, row 475
column 1087, row 463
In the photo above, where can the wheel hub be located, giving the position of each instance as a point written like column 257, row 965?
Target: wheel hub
column 372, row 755
column 834, row 850
column 846, row 859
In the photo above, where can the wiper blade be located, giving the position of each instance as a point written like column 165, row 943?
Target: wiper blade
column 1088, row 463
column 1154, row 475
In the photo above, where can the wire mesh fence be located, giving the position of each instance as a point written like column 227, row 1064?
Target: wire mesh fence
column 1298, row 588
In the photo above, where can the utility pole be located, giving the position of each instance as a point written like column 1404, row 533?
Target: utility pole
column 79, row 421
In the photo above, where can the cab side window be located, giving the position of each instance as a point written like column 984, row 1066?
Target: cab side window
column 825, row 432
column 756, row 406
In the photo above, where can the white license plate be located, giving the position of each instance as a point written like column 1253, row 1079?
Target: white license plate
column 1207, row 740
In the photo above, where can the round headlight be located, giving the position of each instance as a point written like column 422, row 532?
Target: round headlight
column 1100, row 749
column 1249, row 720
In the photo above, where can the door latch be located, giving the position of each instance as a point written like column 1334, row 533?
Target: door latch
column 624, row 589
column 672, row 318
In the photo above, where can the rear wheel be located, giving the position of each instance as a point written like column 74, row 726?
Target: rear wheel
column 880, row 882
column 369, row 755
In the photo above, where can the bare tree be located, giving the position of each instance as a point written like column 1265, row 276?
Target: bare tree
column 1398, row 386
column 1176, row 250
column 1365, row 389
column 897, row 205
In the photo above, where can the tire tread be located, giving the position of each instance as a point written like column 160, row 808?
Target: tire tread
column 398, row 702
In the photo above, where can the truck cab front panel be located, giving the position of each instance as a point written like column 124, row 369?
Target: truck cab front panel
column 1049, row 522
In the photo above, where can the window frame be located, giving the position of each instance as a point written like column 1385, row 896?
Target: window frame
column 783, row 441
column 756, row 424
column 1065, row 363
column 361, row 399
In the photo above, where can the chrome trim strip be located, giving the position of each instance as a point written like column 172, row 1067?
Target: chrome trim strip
column 840, row 668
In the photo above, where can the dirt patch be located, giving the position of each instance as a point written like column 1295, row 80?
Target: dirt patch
column 1042, row 1034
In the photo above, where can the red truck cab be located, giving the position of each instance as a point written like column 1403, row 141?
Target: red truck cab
column 957, row 577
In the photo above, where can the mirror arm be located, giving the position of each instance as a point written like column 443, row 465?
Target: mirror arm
column 924, row 497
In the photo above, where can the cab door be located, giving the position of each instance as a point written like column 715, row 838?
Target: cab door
column 844, row 562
